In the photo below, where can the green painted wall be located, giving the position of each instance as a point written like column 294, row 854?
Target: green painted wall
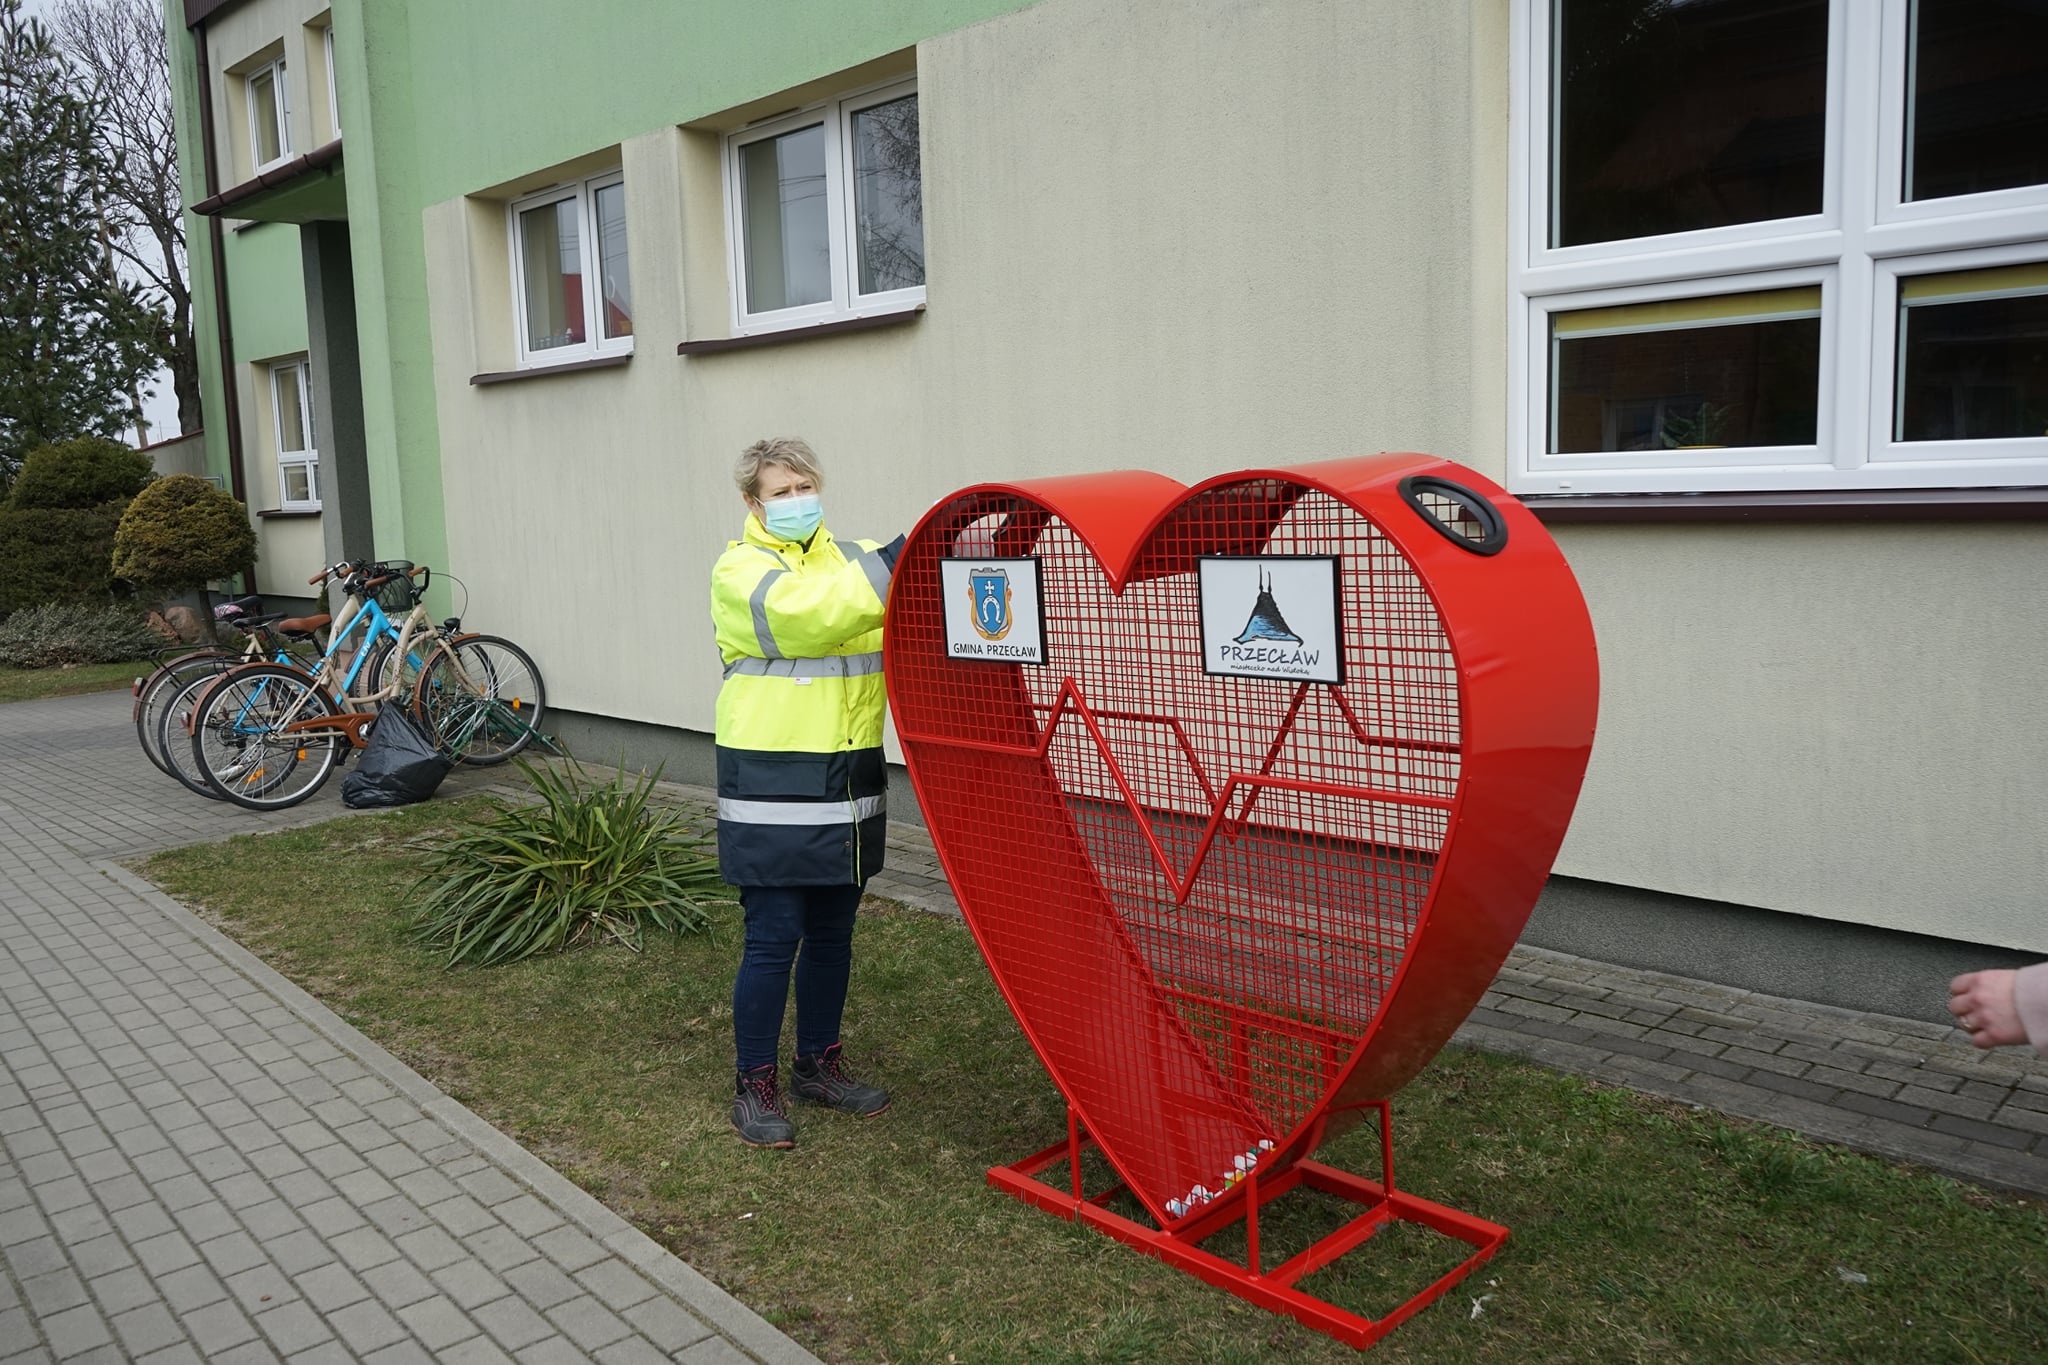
column 445, row 99
column 266, row 284
column 455, row 96
column 198, row 255
column 267, row 291
column 497, row 99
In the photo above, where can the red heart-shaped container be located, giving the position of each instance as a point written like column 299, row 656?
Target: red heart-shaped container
column 1233, row 912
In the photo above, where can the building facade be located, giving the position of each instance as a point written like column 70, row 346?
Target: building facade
column 1748, row 298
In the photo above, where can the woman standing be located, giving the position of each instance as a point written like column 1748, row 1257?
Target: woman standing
column 801, row 780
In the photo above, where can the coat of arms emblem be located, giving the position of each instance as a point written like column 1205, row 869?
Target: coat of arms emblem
column 991, row 591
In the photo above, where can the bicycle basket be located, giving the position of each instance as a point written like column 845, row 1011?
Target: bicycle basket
column 403, row 591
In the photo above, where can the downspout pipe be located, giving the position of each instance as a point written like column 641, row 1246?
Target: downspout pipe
column 216, row 238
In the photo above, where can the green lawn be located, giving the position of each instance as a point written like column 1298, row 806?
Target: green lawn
column 1642, row 1230
column 29, row 684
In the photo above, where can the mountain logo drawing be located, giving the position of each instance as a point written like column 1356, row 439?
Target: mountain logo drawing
column 1266, row 622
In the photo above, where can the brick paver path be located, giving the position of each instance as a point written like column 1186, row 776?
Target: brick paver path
column 202, row 1162
column 1910, row 1089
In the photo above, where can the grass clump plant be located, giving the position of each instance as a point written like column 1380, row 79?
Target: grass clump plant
column 586, row 862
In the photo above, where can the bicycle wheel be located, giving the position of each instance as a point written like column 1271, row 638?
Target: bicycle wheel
column 243, row 737
column 481, row 697
column 400, row 673
column 156, row 690
column 174, row 733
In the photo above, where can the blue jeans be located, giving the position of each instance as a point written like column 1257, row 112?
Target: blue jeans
column 780, row 921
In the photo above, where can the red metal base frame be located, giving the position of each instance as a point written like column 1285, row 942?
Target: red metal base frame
column 1179, row 1244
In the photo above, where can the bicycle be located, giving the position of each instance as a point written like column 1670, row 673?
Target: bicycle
column 271, row 636
column 164, row 708
column 267, row 736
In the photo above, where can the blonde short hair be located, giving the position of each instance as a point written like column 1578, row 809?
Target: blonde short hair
column 788, row 451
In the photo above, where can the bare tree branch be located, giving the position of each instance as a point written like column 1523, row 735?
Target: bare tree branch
column 118, row 55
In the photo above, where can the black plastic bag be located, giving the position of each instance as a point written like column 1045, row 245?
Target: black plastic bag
column 399, row 766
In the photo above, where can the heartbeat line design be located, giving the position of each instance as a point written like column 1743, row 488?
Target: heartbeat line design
column 1070, row 698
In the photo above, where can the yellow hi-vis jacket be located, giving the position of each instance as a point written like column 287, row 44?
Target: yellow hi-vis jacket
column 802, row 786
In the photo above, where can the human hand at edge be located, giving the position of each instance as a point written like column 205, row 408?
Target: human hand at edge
column 891, row 552
column 1985, row 1008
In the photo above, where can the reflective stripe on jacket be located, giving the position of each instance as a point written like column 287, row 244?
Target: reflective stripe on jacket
column 801, row 780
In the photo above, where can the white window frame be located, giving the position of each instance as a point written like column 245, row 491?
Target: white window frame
column 1984, row 457
column 595, row 344
column 279, row 93
column 836, row 115
column 1746, row 460
column 333, row 99
column 1865, row 236
column 309, row 458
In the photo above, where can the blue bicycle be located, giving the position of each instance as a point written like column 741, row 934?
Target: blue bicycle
column 267, row 736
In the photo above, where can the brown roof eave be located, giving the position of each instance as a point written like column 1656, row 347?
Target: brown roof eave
column 198, row 12
column 268, row 180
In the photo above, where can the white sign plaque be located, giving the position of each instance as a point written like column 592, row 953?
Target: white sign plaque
column 1271, row 616
column 993, row 610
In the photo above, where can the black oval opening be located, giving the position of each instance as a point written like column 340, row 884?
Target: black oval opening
column 1457, row 513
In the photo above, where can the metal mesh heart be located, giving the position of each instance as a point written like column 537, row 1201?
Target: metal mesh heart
column 1227, row 909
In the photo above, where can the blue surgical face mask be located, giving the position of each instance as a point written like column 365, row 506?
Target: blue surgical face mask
column 795, row 517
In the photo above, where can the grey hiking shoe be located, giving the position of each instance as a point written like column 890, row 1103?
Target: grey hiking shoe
column 757, row 1110
column 823, row 1080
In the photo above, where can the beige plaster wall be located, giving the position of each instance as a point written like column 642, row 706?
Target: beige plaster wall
column 1838, row 720
column 1102, row 183
column 290, row 553
column 246, row 36
column 1212, row 234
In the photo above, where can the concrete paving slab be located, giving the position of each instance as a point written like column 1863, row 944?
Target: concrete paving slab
column 200, row 1161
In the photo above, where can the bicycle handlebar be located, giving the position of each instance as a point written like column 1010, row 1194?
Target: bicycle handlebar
column 356, row 568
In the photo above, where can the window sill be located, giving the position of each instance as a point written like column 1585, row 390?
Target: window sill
column 711, row 345
column 603, row 362
column 1874, row 504
column 286, row 513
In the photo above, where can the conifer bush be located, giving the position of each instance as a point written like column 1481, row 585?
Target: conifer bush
column 588, row 862
column 181, row 533
column 88, row 471
column 58, row 521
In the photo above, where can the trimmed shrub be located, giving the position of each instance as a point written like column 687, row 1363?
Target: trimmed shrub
column 88, row 471
column 56, row 554
column 585, row 862
column 180, row 533
column 56, row 636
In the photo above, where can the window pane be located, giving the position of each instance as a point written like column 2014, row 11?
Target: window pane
column 1973, row 355
column 611, row 261
column 888, row 200
column 1727, row 371
column 333, row 94
column 551, row 261
column 784, row 221
column 291, row 413
column 1670, row 117
column 263, row 102
column 1978, row 119
column 298, row 483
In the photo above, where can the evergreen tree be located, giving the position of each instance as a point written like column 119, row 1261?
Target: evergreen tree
column 74, row 340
